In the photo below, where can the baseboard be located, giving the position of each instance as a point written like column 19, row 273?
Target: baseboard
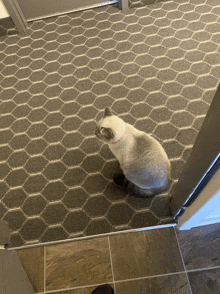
column 141, row 3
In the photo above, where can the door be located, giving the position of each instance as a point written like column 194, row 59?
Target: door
column 39, row 9
column 201, row 170
column 205, row 209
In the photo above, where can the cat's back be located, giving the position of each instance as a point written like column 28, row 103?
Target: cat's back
column 149, row 165
column 145, row 145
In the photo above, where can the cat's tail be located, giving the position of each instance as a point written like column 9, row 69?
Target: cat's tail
column 137, row 191
column 121, row 180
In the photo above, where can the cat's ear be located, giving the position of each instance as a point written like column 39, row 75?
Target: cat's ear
column 108, row 133
column 107, row 112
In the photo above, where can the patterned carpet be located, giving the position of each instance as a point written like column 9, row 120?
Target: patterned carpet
column 156, row 66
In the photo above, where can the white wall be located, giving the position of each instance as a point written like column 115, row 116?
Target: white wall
column 3, row 11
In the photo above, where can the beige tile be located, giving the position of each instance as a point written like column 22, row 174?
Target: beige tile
column 32, row 260
column 145, row 253
column 79, row 263
column 171, row 284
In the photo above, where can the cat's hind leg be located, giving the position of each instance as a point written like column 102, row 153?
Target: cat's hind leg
column 121, row 180
column 137, row 191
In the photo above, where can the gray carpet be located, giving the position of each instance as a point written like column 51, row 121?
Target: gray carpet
column 156, row 66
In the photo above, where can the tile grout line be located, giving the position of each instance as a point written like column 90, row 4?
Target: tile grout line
column 93, row 236
column 44, row 269
column 110, row 253
column 183, row 261
column 119, row 281
column 126, row 280
column 203, row 269
column 149, row 277
column 69, row 289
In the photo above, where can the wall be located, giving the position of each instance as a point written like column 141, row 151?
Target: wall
column 3, row 11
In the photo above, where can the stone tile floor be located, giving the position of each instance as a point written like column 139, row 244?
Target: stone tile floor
column 161, row 261
column 157, row 67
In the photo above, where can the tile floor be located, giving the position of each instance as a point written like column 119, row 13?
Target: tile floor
column 156, row 66
column 161, row 261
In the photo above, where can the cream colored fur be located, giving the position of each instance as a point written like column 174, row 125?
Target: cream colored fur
column 142, row 158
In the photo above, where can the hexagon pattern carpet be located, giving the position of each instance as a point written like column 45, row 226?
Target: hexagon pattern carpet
column 156, row 66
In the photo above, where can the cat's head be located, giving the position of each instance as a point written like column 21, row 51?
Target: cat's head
column 110, row 128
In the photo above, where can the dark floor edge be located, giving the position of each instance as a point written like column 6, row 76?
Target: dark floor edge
column 94, row 236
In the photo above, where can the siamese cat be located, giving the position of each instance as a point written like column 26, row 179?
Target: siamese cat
column 145, row 165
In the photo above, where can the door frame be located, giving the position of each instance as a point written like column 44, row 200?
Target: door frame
column 20, row 21
column 16, row 14
column 205, row 209
column 202, row 163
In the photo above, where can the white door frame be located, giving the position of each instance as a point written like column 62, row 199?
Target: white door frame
column 200, row 167
column 205, row 209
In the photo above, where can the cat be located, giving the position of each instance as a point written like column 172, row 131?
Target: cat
column 145, row 164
